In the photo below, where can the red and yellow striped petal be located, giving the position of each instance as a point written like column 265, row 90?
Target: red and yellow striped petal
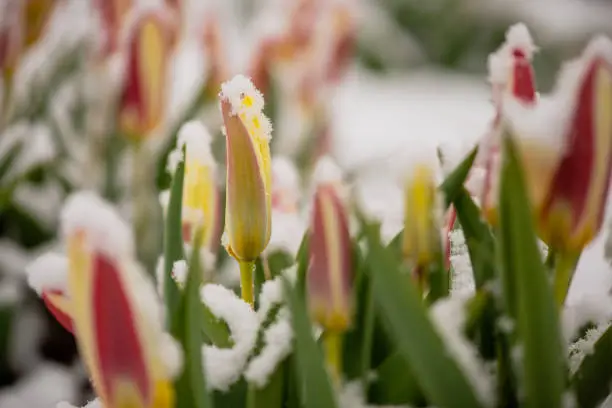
column 111, row 332
column 247, row 212
column 36, row 15
column 330, row 270
column 59, row 306
column 11, row 40
column 144, row 96
column 573, row 211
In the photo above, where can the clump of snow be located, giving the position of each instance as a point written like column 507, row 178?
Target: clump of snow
column 285, row 174
column 104, row 229
column 223, row 366
column 196, row 139
column 271, row 294
column 47, row 386
column 500, row 62
column 48, row 272
column 589, row 309
column 448, row 316
column 287, row 232
column 278, row 339
column 327, row 171
column 463, row 277
column 585, row 346
column 159, row 275
column 236, row 89
column 179, row 272
column 171, row 354
column 352, row 396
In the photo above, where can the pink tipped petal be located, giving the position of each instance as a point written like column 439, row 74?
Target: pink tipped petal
column 119, row 348
column 57, row 304
column 330, row 269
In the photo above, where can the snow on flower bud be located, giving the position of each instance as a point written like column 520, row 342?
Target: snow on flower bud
column 116, row 317
column 201, row 201
column 510, row 73
column 330, row 273
column 249, row 175
column 569, row 187
column 150, row 45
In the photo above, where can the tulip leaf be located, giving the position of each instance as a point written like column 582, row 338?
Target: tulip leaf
column 173, row 241
column 278, row 261
column 453, row 183
column 259, row 278
column 478, row 237
column 270, row 395
column 302, row 260
column 9, row 157
column 395, row 384
column 193, row 381
column 438, row 374
column 535, row 310
column 592, row 381
column 316, row 390
column 215, row 330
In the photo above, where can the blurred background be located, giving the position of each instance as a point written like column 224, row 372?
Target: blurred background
column 363, row 81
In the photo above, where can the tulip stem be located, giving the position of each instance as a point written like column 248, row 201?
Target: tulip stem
column 246, row 281
column 564, row 272
column 332, row 341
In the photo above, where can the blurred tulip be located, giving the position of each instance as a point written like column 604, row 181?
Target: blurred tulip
column 330, row 273
column 217, row 70
column 116, row 316
column 571, row 213
column 11, row 39
column 36, row 15
column 511, row 73
column 150, row 48
column 249, row 176
column 201, row 201
column 421, row 242
column 112, row 15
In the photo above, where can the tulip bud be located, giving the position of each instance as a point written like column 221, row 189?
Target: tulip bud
column 217, row 69
column 572, row 211
column 117, row 319
column 249, row 176
column 150, row 46
column 36, row 15
column 422, row 240
column 330, row 273
column 201, row 206
column 11, row 36
column 510, row 73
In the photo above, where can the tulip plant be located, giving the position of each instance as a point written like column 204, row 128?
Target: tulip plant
column 345, row 319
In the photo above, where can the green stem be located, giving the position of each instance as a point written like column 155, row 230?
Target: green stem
column 564, row 272
column 246, row 281
column 332, row 341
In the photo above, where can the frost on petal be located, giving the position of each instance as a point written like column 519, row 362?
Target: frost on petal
column 105, row 229
column 48, row 272
column 518, row 40
column 278, row 340
column 448, row 316
column 589, row 309
column 196, row 138
column 236, row 89
column 223, row 366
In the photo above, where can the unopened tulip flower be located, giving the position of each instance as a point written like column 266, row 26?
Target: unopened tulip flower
column 422, row 239
column 510, row 73
column 565, row 144
column 36, row 15
column 330, row 272
column 116, row 317
column 11, row 40
column 216, row 59
column 150, row 46
column 249, row 176
column 201, row 201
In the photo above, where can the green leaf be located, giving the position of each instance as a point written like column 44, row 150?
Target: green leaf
column 407, row 319
column 535, row 309
column 9, row 157
column 478, row 238
column 453, row 183
column 271, row 395
column 395, row 384
column 258, row 280
column 173, row 241
column 302, row 260
column 592, row 381
column 317, row 389
column 278, row 261
column 193, row 381
column 215, row 330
